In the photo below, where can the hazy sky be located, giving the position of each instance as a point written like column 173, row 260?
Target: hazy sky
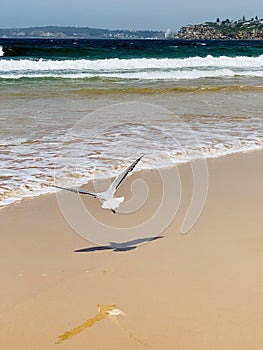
column 125, row 14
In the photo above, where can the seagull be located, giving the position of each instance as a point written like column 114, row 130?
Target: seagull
column 107, row 197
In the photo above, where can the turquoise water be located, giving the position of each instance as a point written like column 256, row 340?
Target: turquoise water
column 126, row 49
column 106, row 61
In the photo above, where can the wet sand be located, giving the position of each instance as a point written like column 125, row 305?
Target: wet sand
column 201, row 290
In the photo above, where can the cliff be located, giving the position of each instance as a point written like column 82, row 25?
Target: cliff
column 226, row 30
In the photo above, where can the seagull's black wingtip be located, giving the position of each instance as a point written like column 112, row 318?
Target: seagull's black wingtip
column 138, row 159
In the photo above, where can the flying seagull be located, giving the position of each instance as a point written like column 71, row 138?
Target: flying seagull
column 107, row 198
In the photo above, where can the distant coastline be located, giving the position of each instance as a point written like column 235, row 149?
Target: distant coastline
column 57, row 32
column 242, row 29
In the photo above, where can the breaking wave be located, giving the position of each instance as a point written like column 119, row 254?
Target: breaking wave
column 143, row 68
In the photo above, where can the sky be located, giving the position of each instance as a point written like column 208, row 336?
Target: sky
column 125, row 14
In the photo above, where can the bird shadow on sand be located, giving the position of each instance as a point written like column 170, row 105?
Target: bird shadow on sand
column 118, row 247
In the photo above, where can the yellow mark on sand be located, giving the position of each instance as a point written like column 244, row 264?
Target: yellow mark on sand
column 103, row 312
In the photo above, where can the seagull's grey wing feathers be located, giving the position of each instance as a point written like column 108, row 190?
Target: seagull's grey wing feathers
column 75, row 190
column 116, row 182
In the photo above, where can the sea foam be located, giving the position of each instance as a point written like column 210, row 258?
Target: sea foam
column 32, row 166
column 143, row 68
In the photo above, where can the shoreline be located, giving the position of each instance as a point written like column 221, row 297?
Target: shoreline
column 194, row 291
column 106, row 179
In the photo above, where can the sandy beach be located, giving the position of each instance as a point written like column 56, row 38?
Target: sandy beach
column 202, row 290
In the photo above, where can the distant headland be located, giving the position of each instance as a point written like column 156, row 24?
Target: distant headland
column 241, row 29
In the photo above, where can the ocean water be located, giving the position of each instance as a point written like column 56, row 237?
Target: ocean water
column 74, row 110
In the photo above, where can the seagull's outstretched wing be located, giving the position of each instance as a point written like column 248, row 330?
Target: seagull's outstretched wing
column 116, row 182
column 75, row 190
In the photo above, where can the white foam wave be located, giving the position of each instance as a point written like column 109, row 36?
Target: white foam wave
column 1, row 51
column 28, row 164
column 173, row 75
column 33, row 188
column 186, row 68
column 114, row 64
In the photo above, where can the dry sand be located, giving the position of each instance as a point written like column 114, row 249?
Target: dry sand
column 202, row 290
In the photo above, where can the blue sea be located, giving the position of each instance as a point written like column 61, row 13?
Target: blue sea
column 69, row 104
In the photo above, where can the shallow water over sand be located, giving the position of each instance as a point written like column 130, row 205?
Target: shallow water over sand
column 61, row 119
column 77, row 137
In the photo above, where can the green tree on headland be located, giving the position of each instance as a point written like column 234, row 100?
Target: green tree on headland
column 241, row 29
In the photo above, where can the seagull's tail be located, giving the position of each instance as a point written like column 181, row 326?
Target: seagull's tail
column 113, row 203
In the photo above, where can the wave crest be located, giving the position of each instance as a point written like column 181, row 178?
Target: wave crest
column 143, row 68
